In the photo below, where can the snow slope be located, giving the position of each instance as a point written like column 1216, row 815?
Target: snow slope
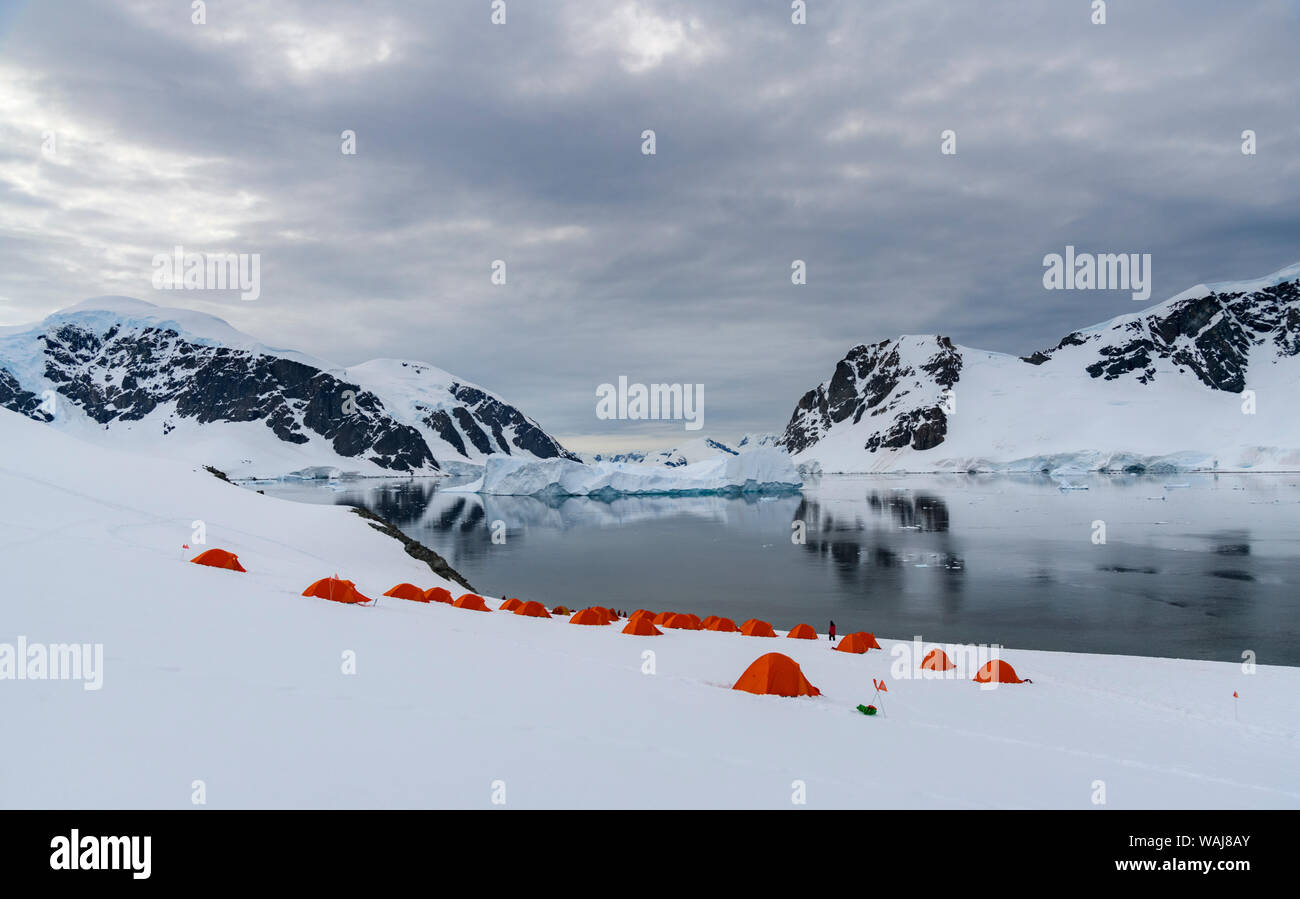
column 761, row 470
column 235, row 680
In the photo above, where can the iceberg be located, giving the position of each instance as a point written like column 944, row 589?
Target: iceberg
column 762, row 470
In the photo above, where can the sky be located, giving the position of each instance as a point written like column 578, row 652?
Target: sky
column 127, row 129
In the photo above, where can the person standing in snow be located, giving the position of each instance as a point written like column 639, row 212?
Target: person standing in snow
column 832, row 638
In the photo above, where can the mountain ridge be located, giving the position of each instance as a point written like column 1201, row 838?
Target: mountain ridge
column 158, row 377
column 1182, row 366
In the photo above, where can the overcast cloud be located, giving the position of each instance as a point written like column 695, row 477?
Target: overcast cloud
column 522, row 142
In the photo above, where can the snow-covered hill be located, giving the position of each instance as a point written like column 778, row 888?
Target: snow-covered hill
column 1203, row 380
column 275, row 700
column 186, row 385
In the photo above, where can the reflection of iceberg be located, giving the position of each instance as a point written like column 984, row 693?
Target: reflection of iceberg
column 763, row 470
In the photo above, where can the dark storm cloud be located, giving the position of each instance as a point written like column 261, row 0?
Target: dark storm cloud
column 522, row 142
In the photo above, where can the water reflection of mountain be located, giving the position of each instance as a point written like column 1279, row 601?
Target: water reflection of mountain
column 903, row 530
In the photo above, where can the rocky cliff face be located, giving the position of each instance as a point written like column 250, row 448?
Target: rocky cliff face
column 898, row 384
column 1210, row 336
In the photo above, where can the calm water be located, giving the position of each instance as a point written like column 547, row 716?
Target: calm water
column 1206, row 570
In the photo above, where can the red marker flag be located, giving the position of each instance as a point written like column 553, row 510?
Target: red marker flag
column 880, row 685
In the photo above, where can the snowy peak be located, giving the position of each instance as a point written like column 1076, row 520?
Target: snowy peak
column 131, row 314
column 184, row 383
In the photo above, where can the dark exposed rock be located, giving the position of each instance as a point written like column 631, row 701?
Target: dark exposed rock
column 24, row 402
column 1211, row 336
column 415, row 549
column 875, row 380
column 500, row 417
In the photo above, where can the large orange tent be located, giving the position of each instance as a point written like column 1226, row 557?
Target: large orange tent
column 533, row 609
column 510, row 605
column 755, row 628
column 859, row 642
column 704, row 625
column 589, row 616
column 639, row 612
column 681, row 622
column 803, row 632
column 438, row 594
column 776, row 674
column 333, row 588
column 642, row 627
column 472, row 601
column 937, row 660
column 219, row 558
column 998, row 671
column 726, row 625
column 613, row 615
column 407, row 591
column 663, row 617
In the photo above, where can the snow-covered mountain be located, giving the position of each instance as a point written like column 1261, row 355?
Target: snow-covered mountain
column 187, row 385
column 697, row 450
column 1205, row 379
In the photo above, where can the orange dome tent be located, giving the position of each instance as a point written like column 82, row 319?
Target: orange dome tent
column 755, row 628
column 533, row 609
column 219, row 558
column 510, row 605
column 937, row 660
column 998, row 671
column 776, row 674
column 473, row 602
column 726, row 625
column 681, row 622
column 333, row 588
column 561, row 610
column 407, row 591
column 859, row 642
column 589, row 616
column 641, row 627
column 640, row 612
column 438, row 594
column 663, row 617
column 803, row 632
column 613, row 615
column 708, row 622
